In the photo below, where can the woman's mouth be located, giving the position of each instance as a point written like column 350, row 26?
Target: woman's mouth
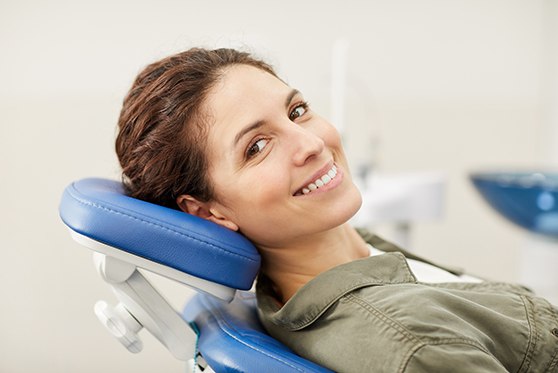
column 319, row 182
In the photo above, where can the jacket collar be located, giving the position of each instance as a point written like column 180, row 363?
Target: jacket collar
column 314, row 298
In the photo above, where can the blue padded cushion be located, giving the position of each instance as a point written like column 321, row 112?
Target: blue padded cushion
column 100, row 210
column 231, row 338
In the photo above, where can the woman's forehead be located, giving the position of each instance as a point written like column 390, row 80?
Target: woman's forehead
column 245, row 81
column 243, row 95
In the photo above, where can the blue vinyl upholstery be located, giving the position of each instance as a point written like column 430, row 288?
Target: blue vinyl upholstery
column 232, row 339
column 99, row 209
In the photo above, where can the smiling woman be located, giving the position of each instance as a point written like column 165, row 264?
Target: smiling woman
column 217, row 134
column 266, row 147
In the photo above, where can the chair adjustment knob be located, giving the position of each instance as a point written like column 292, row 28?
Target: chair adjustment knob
column 121, row 324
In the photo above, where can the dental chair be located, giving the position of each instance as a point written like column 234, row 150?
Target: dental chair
column 218, row 330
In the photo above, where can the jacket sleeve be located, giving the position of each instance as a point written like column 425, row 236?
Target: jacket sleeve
column 452, row 357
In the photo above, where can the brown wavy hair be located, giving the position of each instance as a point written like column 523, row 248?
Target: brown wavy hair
column 161, row 130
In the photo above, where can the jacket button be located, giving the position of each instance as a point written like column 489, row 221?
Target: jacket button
column 555, row 332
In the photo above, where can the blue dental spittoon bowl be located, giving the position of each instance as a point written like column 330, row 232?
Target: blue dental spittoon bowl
column 528, row 199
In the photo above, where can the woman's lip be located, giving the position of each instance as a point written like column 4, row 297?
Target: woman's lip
column 318, row 174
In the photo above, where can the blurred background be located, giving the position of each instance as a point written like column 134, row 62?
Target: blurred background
column 442, row 86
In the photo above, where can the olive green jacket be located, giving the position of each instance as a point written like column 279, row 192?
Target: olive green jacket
column 372, row 315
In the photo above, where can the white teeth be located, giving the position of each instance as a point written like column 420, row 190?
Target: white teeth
column 325, row 179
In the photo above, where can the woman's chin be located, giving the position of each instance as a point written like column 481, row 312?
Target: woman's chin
column 348, row 208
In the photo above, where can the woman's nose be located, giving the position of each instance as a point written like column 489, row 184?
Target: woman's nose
column 305, row 145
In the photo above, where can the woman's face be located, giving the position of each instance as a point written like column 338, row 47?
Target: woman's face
column 267, row 150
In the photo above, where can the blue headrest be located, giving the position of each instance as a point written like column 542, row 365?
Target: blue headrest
column 100, row 210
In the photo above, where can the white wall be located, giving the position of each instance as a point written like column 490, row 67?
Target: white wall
column 453, row 86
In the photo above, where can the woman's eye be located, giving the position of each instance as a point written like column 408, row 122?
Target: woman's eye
column 298, row 111
column 255, row 148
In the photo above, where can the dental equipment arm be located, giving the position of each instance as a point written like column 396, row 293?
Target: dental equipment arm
column 141, row 306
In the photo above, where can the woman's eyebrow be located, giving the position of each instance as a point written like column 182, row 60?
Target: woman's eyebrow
column 292, row 93
column 245, row 130
column 260, row 123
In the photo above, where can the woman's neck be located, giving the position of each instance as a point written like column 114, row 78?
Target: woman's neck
column 291, row 267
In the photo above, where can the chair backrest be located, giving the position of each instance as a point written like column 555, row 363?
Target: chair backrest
column 233, row 340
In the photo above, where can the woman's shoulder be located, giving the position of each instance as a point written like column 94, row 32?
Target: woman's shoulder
column 383, row 326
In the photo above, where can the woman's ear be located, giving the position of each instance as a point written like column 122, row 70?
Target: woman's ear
column 204, row 210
